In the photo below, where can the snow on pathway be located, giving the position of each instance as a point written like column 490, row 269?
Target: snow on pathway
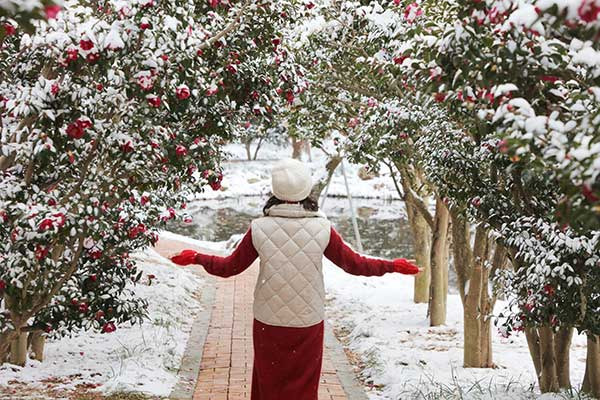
column 136, row 358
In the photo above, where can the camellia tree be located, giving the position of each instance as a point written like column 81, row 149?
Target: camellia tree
column 110, row 114
column 526, row 75
column 519, row 159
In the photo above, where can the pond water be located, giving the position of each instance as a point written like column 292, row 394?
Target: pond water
column 382, row 224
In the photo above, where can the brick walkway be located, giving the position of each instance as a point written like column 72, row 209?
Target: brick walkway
column 226, row 366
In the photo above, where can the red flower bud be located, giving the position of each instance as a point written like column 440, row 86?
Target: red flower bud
column 51, row 11
column 109, row 327
column 9, row 29
column 92, row 58
column 182, row 92
column 180, row 150
column 154, row 101
column 86, row 44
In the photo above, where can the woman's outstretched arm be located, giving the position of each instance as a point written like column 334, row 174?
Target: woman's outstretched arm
column 241, row 258
column 343, row 256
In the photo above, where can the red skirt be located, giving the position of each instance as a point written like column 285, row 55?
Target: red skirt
column 287, row 362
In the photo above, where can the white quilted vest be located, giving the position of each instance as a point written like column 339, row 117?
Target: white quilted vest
column 290, row 242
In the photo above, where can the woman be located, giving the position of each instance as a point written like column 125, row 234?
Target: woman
column 290, row 241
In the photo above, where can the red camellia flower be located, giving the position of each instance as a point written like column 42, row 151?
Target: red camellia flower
column 144, row 26
column 99, row 87
column 231, row 68
column 215, row 185
column 2, row 285
column 440, row 97
column 182, row 92
column 276, row 42
column 412, row 12
column 164, row 57
column 9, row 29
column 289, row 96
column 96, row 254
column 309, row 5
column 154, row 101
column 46, row 224
column 127, row 147
column 83, row 307
column 212, row 91
column 41, row 252
column 109, row 327
column 54, row 89
column 75, row 130
column 476, row 202
column 52, row 11
column 86, row 44
column 589, row 10
column 180, row 150
column 213, row 3
column 92, row 58
column 399, row 60
column 72, row 54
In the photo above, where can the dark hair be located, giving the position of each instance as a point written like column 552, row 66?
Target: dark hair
column 308, row 203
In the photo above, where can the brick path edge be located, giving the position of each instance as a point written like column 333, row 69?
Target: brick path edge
column 354, row 390
column 190, row 363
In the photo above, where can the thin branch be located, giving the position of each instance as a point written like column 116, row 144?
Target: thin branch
column 232, row 25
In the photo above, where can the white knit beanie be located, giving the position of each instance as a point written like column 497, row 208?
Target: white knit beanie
column 291, row 180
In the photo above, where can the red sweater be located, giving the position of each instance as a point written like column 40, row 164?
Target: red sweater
column 337, row 251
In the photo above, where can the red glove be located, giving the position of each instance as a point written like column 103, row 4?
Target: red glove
column 405, row 267
column 186, row 257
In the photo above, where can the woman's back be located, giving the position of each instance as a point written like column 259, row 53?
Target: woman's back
column 290, row 242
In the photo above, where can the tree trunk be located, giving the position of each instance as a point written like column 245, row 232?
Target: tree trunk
column 591, row 380
column 439, row 266
column 477, row 304
column 331, row 166
column 548, row 377
column 422, row 250
column 36, row 342
column 549, row 351
column 420, row 229
column 260, row 141
column 18, row 349
column 562, row 347
column 6, row 339
column 247, row 145
column 533, row 342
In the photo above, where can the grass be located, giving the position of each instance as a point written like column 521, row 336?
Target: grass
column 428, row 388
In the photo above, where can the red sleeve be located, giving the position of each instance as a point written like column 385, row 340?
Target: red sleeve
column 356, row 264
column 241, row 258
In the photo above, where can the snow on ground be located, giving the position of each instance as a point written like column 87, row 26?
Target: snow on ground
column 414, row 361
column 253, row 178
column 136, row 358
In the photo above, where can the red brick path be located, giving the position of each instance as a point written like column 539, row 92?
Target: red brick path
column 226, row 367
